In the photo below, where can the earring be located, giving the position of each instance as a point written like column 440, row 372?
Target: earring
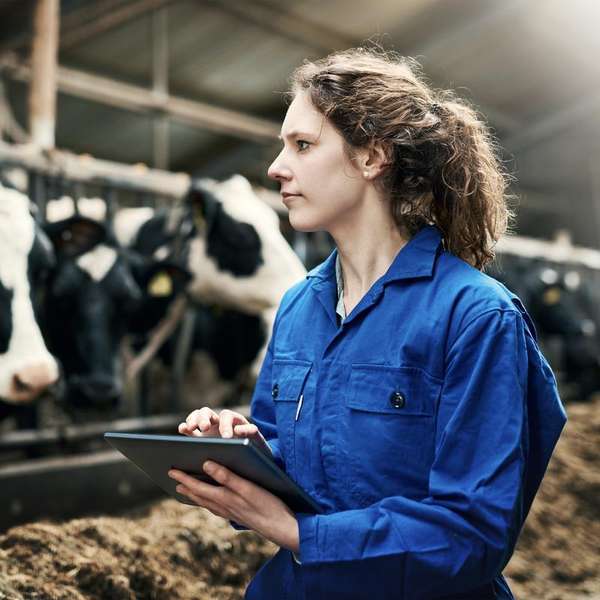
column 366, row 173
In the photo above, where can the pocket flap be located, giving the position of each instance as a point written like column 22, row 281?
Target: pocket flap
column 288, row 378
column 393, row 390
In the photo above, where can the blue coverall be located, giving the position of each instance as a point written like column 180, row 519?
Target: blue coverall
column 422, row 426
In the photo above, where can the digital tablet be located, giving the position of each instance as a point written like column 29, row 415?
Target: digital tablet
column 156, row 454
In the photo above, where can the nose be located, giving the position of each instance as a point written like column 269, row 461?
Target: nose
column 278, row 171
column 30, row 381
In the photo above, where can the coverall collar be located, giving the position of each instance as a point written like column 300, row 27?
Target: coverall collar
column 416, row 259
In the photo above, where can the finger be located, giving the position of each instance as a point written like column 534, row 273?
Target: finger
column 202, row 489
column 245, row 430
column 201, row 419
column 227, row 419
column 228, row 479
column 214, row 508
column 183, row 429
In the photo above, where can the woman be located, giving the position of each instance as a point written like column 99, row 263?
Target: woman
column 403, row 388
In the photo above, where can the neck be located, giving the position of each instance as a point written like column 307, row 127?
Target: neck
column 367, row 245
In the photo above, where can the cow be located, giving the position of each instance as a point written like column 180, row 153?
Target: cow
column 229, row 240
column 90, row 297
column 27, row 368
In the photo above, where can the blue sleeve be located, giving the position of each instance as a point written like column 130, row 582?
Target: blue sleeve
column 462, row 534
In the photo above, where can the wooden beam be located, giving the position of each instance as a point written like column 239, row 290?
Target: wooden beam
column 42, row 92
column 136, row 98
column 285, row 23
column 160, row 85
column 109, row 20
column 88, row 21
column 84, row 168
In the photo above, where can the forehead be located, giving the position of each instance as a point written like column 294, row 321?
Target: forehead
column 302, row 117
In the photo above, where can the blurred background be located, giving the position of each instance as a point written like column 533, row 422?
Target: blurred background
column 135, row 136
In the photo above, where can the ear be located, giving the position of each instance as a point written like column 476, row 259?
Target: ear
column 75, row 236
column 374, row 160
column 157, row 278
column 122, row 285
column 166, row 279
column 42, row 251
column 203, row 204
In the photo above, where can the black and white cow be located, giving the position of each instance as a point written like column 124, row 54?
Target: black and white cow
column 230, row 241
column 90, row 297
column 26, row 366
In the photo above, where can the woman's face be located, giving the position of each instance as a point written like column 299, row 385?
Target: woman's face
column 327, row 187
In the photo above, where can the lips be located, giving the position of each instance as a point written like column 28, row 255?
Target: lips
column 286, row 198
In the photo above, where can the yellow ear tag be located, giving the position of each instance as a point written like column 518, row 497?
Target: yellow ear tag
column 160, row 285
column 551, row 296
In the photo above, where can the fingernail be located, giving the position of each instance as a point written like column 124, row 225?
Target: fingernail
column 208, row 466
column 227, row 433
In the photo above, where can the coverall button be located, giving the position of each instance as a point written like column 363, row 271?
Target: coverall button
column 397, row 400
column 275, row 391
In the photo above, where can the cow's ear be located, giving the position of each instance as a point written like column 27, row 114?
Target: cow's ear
column 42, row 253
column 203, row 204
column 167, row 279
column 75, row 236
column 122, row 285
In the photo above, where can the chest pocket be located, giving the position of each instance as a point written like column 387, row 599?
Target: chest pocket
column 288, row 380
column 390, row 431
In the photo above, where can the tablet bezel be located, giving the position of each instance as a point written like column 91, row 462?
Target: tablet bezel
column 156, row 454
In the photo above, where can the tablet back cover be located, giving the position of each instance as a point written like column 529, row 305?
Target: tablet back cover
column 156, row 454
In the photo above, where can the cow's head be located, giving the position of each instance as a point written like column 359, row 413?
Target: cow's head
column 26, row 258
column 232, row 243
column 160, row 282
column 90, row 297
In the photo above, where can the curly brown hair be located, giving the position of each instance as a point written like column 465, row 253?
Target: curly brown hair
column 443, row 166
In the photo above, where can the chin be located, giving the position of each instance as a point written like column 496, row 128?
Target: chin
column 300, row 223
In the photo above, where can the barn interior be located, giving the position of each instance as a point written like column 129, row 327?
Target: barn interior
column 132, row 101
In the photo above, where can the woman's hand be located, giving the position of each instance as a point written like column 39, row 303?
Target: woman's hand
column 205, row 422
column 242, row 501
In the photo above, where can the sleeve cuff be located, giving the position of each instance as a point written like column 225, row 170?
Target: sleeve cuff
column 308, row 528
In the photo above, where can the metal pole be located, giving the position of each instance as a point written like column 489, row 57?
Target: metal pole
column 42, row 94
column 160, row 85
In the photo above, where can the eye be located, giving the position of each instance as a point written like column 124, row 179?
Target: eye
column 300, row 147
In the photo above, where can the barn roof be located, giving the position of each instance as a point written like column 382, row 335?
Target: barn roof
column 531, row 66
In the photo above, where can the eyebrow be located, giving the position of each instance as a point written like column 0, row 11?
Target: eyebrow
column 296, row 133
